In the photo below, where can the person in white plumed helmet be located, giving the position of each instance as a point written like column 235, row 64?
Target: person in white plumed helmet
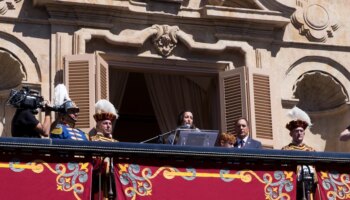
column 64, row 125
column 297, row 126
column 105, row 115
column 306, row 174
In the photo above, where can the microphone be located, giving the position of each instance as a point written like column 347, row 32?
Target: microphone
column 185, row 126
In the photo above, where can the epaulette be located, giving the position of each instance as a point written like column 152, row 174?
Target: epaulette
column 57, row 130
column 100, row 138
column 87, row 136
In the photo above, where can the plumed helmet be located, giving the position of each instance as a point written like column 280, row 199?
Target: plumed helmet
column 105, row 111
column 63, row 102
column 299, row 119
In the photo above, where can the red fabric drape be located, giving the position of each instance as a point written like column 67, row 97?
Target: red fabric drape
column 193, row 180
column 333, row 183
column 45, row 178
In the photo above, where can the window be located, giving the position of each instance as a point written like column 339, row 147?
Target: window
column 215, row 96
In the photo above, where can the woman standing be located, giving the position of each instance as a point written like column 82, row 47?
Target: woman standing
column 184, row 121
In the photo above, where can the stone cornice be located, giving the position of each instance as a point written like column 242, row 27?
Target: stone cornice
column 138, row 38
column 247, row 15
column 108, row 11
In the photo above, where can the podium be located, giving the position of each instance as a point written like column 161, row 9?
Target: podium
column 192, row 137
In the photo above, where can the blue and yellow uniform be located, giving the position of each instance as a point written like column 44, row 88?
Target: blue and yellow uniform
column 62, row 131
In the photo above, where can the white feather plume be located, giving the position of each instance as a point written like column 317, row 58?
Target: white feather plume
column 61, row 95
column 298, row 114
column 104, row 105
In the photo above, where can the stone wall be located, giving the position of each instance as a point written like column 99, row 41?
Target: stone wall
column 302, row 44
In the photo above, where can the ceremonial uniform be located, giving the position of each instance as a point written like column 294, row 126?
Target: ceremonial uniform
column 62, row 131
column 306, row 174
column 103, row 170
column 101, row 138
column 67, row 117
column 301, row 147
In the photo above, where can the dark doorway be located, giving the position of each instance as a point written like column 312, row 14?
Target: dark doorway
column 137, row 121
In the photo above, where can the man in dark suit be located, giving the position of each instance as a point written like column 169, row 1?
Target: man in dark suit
column 243, row 139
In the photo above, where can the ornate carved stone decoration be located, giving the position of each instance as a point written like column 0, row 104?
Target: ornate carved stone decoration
column 3, row 7
column 165, row 39
column 6, row 5
column 12, row 73
column 316, row 21
column 318, row 91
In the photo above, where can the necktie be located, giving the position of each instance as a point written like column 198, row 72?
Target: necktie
column 242, row 143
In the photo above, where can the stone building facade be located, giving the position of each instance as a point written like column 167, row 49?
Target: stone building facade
column 222, row 59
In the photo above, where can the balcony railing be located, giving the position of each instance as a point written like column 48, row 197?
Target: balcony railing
column 143, row 170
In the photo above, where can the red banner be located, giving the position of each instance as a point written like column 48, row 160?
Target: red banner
column 333, row 184
column 45, row 179
column 144, row 180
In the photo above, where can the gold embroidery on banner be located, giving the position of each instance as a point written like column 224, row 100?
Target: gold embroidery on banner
column 142, row 185
column 335, row 184
column 77, row 172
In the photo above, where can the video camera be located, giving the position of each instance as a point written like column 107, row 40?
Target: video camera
column 27, row 98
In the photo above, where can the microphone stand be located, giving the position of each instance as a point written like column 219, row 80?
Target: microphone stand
column 158, row 136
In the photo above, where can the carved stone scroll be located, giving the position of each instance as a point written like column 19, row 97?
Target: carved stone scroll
column 3, row 7
column 6, row 5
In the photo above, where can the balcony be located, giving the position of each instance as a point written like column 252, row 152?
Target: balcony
column 63, row 169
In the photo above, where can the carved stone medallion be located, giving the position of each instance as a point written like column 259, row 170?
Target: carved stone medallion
column 317, row 22
column 165, row 39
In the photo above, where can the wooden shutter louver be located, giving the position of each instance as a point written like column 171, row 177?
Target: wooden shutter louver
column 262, row 103
column 103, row 81
column 102, row 89
column 233, row 101
column 79, row 90
column 233, row 97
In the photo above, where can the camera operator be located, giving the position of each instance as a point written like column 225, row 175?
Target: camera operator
column 24, row 123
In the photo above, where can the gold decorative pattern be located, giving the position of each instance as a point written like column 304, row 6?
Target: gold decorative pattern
column 70, row 176
column 138, row 180
column 336, row 185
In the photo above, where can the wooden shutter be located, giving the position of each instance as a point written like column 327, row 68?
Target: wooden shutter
column 233, row 98
column 261, row 109
column 102, row 85
column 86, row 78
